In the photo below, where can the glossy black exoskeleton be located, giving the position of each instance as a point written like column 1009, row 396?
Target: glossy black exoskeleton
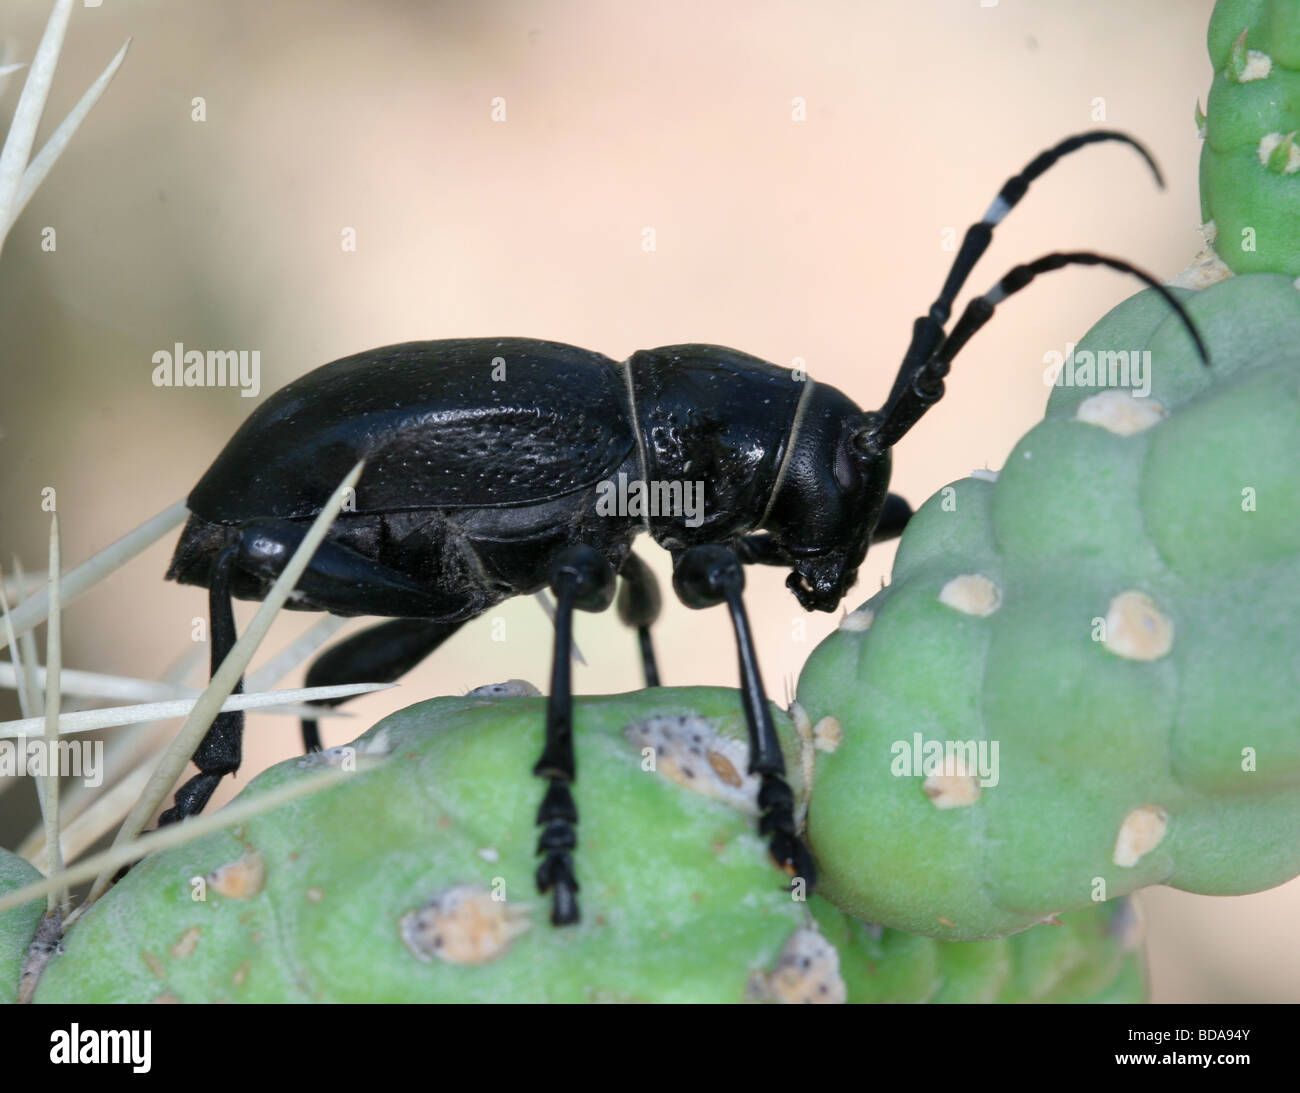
column 485, row 457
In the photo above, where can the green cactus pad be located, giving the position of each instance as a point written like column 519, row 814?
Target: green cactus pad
column 1085, row 956
column 18, row 925
column 1117, row 614
column 380, row 888
column 1250, row 162
column 345, row 874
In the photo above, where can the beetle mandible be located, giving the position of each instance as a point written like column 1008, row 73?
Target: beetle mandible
column 476, row 490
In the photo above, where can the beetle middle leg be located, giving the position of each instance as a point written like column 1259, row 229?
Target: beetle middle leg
column 384, row 653
column 580, row 578
column 705, row 576
column 379, row 654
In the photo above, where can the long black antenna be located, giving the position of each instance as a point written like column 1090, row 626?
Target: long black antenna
column 927, row 331
column 925, row 387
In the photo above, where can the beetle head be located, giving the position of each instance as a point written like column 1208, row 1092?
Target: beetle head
column 829, row 498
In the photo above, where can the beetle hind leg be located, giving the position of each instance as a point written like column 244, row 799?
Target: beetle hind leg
column 221, row 749
column 581, row 579
column 704, row 576
column 638, row 606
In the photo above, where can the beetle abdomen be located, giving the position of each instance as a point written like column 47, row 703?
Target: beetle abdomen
column 427, row 547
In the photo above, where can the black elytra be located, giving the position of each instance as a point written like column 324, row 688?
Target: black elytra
column 497, row 467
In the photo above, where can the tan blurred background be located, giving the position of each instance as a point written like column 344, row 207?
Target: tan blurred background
column 818, row 240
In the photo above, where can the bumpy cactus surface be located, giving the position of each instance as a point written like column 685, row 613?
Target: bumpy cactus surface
column 382, row 888
column 17, row 926
column 1090, row 955
column 1250, row 162
column 1110, row 627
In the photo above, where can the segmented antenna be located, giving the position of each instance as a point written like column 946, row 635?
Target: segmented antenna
column 908, row 403
column 901, row 411
column 928, row 329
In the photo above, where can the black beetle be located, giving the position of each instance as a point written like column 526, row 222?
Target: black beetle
column 489, row 465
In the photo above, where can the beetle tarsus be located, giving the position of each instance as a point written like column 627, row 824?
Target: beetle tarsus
column 555, row 875
column 559, row 837
column 790, row 853
column 193, row 796
column 580, row 578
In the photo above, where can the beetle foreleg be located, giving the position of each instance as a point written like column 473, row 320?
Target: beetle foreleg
column 761, row 549
column 220, row 751
column 893, row 519
column 703, row 577
column 765, row 549
column 581, row 578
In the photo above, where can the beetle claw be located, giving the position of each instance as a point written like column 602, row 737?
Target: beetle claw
column 555, row 875
column 789, row 852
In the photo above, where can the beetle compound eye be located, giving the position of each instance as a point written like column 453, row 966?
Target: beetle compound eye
column 846, row 471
